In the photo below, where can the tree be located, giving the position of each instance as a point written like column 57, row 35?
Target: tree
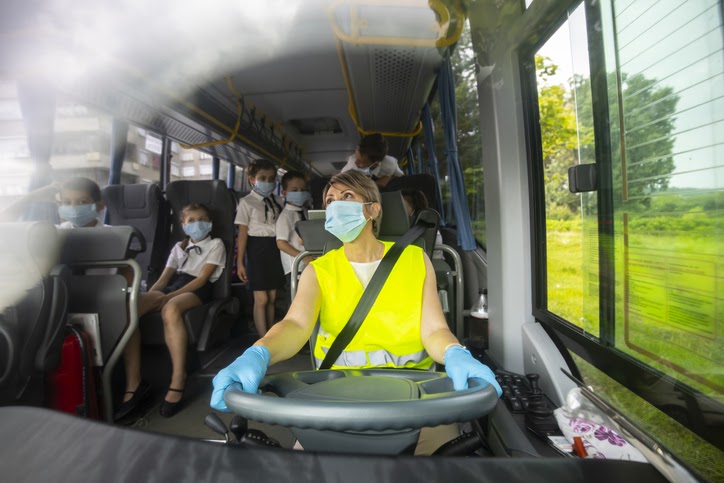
column 567, row 136
column 559, row 128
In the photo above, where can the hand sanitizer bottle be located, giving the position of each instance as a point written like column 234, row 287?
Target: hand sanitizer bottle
column 480, row 309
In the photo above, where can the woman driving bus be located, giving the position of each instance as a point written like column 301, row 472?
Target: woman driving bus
column 405, row 328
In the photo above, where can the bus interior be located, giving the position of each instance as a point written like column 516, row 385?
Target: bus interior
column 572, row 151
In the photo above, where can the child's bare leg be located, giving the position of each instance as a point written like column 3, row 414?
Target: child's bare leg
column 270, row 308
column 261, row 300
column 132, row 364
column 147, row 302
column 176, row 339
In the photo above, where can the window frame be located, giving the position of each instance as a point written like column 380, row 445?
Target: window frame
column 598, row 350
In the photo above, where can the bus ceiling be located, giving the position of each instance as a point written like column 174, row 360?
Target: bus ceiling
column 238, row 80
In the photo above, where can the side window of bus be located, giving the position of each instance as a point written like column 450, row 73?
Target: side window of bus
column 237, row 175
column 637, row 264
column 142, row 163
column 468, row 137
column 189, row 164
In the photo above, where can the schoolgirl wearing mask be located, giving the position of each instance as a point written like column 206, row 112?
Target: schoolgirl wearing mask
column 256, row 218
column 193, row 265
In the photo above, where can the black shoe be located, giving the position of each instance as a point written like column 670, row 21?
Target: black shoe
column 168, row 409
column 143, row 389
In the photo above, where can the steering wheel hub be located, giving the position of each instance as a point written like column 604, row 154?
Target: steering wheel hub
column 359, row 389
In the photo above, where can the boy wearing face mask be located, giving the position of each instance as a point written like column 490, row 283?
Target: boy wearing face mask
column 80, row 204
column 256, row 218
column 370, row 158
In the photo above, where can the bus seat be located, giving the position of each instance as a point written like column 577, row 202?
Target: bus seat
column 143, row 207
column 422, row 182
column 238, row 195
column 316, row 188
column 467, row 281
column 96, row 287
column 208, row 323
column 33, row 301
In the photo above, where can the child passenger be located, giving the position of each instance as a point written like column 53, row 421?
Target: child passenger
column 80, row 203
column 194, row 264
column 256, row 217
column 294, row 189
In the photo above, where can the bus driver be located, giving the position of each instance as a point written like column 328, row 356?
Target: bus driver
column 331, row 289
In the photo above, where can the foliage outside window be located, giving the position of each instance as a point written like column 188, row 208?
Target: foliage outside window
column 468, row 136
column 566, row 128
column 665, row 77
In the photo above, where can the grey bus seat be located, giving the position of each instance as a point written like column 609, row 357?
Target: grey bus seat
column 210, row 322
column 421, row 182
column 96, row 287
column 316, row 188
column 33, row 300
column 142, row 206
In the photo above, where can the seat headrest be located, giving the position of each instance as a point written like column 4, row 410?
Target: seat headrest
column 131, row 201
column 108, row 243
column 211, row 193
column 395, row 220
column 418, row 182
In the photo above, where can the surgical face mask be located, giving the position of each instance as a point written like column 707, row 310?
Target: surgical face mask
column 345, row 220
column 299, row 198
column 366, row 171
column 264, row 188
column 78, row 215
column 198, row 230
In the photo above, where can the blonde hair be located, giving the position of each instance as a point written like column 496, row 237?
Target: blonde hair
column 363, row 186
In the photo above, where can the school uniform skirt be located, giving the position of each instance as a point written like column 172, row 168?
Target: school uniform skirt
column 263, row 263
column 180, row 279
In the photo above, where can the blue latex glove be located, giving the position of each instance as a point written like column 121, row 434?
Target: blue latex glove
column 248, row 369
column 461, row 365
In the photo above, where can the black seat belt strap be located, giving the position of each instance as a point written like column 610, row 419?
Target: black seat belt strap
column 370, row 294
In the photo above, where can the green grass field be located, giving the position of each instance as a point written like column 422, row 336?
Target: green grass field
column 572, row 294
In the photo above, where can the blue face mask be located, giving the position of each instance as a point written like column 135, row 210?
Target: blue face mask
column 198, row 230
column 299, row 198
column 345, row 220
column 78, row 215
column 264, row 188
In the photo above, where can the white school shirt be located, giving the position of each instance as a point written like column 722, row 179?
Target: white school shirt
column 250, row 212
column 387, row 167
column 191, row 262
column 285, row 231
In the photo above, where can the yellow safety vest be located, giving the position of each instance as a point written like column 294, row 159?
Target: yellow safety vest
column 390, row 335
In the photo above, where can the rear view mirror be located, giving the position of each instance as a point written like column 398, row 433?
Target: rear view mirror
column 582, row 178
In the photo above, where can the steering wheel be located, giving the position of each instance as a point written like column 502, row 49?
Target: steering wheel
column 362, row 400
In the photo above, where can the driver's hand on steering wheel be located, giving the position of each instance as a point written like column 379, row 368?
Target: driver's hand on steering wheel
column 460, row 365
column 248, row 370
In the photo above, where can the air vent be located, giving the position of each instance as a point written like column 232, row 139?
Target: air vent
column 316, row 125
column 393, row 77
